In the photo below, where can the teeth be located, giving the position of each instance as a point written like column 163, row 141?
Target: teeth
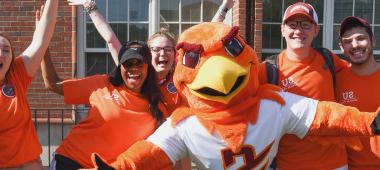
column 162, row 62
column 134, row 75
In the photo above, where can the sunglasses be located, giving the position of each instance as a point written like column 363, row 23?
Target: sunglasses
column 159, row 49
column 133, row 63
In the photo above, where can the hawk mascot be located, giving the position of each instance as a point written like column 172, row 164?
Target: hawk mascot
column 232, row 121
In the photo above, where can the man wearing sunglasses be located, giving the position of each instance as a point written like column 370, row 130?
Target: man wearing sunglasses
column 303, row 71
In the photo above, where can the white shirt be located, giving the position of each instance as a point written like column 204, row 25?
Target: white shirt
column 209, row 151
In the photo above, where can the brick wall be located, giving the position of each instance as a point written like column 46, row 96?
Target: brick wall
column 239, row 19
column 258, row 27
column 238, row 16
column 17, row 22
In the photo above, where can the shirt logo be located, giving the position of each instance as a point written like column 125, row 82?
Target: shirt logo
column 247, row 158
column 8, row 90
column 348, row 96
column 288, row 83
column 171, row 88
column 114, row 97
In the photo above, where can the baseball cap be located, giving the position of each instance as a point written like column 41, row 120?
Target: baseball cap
column 135, row 50
column 353, row 21
column 303, row 9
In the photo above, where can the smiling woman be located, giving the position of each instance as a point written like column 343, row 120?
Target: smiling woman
column 19, row 146
column 124, row 107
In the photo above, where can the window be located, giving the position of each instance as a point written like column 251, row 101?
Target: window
column 178, row 15
column 128, row 19
column 134, row 20
column 272, row 18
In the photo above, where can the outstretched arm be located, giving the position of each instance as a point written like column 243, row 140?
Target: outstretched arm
column 339, row 124
column 49, row 75
column 333, row 119
column 101, row 25
column 222, row 11
column 141, row 155
column 33, row 55
column 160, row 151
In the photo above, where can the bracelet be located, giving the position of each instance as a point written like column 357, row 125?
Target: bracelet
column 90, row 6
column 223, row 10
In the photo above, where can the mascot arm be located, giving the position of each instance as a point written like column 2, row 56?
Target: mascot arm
column 142, row 155
column 333, row 119
column 159, row 151
column 338, row 124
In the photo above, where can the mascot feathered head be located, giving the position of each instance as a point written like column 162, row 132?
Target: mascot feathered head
column 215, row 67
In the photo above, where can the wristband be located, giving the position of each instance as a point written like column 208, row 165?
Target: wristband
column 223, row 10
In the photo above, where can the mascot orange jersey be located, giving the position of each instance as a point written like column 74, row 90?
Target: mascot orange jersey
column 233, row 122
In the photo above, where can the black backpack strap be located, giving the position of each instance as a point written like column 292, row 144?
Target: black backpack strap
column 327, row 56
column 271, row 66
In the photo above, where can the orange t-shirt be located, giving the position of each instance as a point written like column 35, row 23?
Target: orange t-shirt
column 18, row 139
column 311, row 78
column 361, row 92
column 116, row 119
column 170, row 95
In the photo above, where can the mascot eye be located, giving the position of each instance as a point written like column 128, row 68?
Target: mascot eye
column 190, row 59
column 234, row 47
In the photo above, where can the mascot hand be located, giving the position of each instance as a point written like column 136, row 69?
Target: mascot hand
column 99, row 163
column 375, row 126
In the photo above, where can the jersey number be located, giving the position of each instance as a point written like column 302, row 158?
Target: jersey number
column 246, row 158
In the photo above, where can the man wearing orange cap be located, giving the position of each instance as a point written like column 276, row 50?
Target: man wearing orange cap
column 303, row 71
column 357, row 42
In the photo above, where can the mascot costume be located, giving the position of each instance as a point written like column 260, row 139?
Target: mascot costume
column 232, row 121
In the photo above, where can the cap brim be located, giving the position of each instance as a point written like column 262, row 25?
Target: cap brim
column 349, row 22
column 300, row 14
column 131, row 54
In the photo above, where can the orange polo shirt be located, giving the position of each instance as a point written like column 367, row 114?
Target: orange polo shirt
column 18, row 139
column 170, row 95
column 362, row 92
column 311, row 78
column 116, row 119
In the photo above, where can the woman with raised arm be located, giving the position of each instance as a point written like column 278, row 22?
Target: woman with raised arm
column 124, row 107
column 161, row 44
column 19, row 145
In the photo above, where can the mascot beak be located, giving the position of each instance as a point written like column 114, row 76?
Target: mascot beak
column 219, row 79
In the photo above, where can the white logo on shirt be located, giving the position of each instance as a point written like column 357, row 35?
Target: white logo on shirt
column 114, row 97
column 288, row 83
column 348, row 96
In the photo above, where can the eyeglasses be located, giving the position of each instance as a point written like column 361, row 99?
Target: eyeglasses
column 305, row 25
column 129, row 64
column 158, row 49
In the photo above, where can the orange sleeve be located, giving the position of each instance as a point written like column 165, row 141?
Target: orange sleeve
column 78, row 91
column 339, row 63
column 339, row 124
column 143, row 155
column 333, row 119
column 262, row 74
